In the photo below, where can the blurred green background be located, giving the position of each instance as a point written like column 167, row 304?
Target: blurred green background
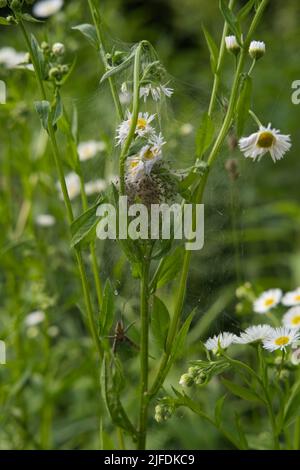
column 49, row 388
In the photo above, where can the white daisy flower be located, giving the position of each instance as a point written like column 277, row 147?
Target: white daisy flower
column 95, row 187
column 143, row 127
column 35, row 318
column 89, row 149
column 222, row 340
column 10, row 58
column 265, row 140
column 253, row 334
column 186, row 129
column 267, row 300
column 135, row 169
column 280, row 338
column 73, row 185
column 291, row 298
column 46, row 8
column 232, row 45
column 295, row 357
column 152, row 152
column 292, row 318
column 45, row 220
column 156, row 92
column 257, row 49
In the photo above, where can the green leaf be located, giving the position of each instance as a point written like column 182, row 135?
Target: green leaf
column 213, row 49
column 292, row 407
column 106, row 442
column 83, row 229
column 204, row 134
column 58, row 110
column 168, row 269
column 107, row 309
column 241, row 392
column 89, row 31
column 4, row 22
column 231, row 20
column 120, row 68
column 160, row 321
column 111, row 389
column 178, row 344
column 243, row 13
column 219, row 408
column 241, row 433
column 31, row 19
column 38, row 57
column 43, row 110
column 244, row 104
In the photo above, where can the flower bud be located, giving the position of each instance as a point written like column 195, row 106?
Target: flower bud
column 232, row 45
column 64, row 69
column 58, row 49
column 54, row 73
column 186, row 380
column 257, row 49
column 45, row 46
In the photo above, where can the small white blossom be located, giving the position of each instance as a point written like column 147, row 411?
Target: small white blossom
column 45, row 8
column 222, row 340
column 143, row 127
column 253, row 333
column 292, row 318
column 265, row 140
column 280, row 338
column 73, row 185
column 45, row 220
column 232, row 44
column 35, row 318
column 58, row 49
column 267, row 300
column 89, row 149
column 257, row 49
column 291, row 298
column 95, row 187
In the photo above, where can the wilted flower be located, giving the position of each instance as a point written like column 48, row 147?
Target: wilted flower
column 89, row 149
column 280, row 338
column 265, row 140
column 257, row 49
column 143, row 127
column 267, row 300
column 156, row 92
column 232, row 45
column 291, row 298
column 292, row 318
column 45, row 8
column 45, row 220
column 253, row 334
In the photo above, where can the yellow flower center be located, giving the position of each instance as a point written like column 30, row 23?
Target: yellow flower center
column 133, row 164
column 141, row 123
column 296, row 320
column 297, row 298
column 148, row 155
column 282, row 340
column 269, row 302
column 265, row 139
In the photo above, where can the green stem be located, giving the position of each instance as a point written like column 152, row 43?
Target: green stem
column 134, row 116
column 222, row 50
column 165, row 365
column 98, row 25
column 69, row 210
column 144, row 354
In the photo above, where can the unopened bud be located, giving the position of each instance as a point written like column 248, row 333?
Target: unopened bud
column 58, row 49
column 186, row 380
column 257, row 49
column 232, row 45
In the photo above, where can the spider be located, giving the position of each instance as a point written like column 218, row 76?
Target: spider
column 120, row 336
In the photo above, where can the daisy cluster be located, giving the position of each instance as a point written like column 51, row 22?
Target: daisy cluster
column 272, row 339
